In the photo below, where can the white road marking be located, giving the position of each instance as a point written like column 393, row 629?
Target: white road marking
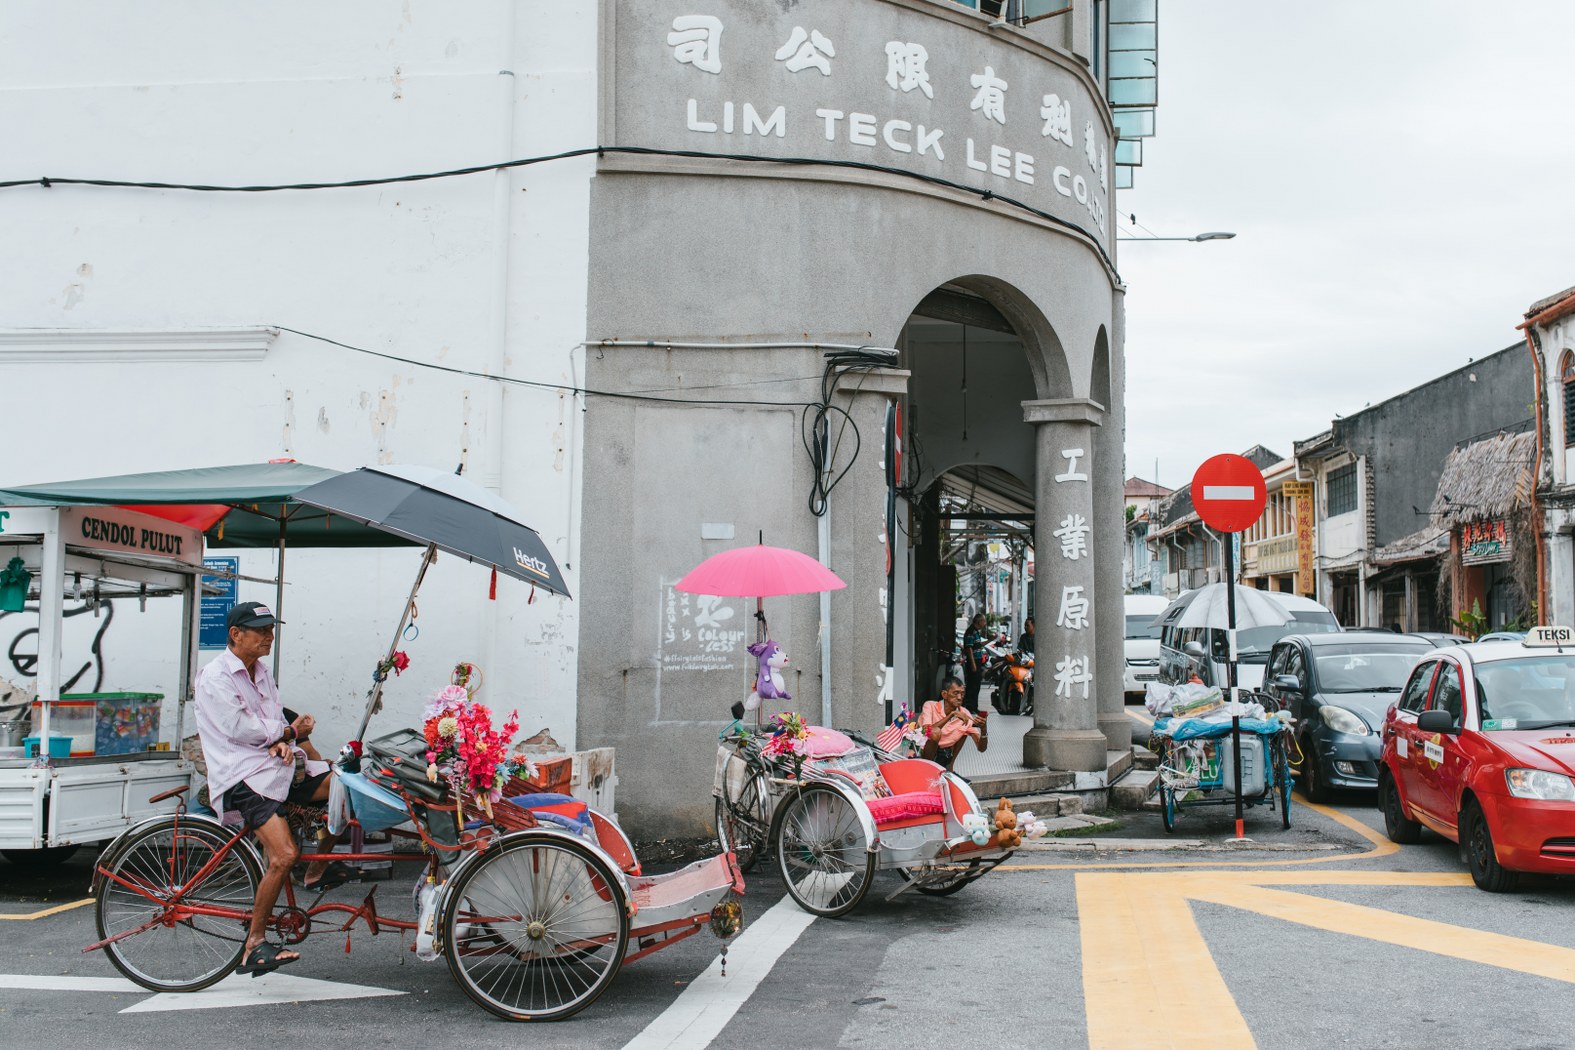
column 54, row 983
column 235, row 990
column 703, row 1010
column 245, row 990
column 1229, row 492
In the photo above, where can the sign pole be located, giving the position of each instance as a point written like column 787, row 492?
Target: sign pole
column 1230, row 674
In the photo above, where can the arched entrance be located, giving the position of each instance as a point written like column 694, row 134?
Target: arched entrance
column 969, row 472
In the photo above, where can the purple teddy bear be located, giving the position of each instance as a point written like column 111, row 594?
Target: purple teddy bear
column 768, row 682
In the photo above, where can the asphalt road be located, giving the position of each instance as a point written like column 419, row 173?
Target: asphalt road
column 1323, row 935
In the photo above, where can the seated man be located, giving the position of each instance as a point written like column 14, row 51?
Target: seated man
column 946, row 723
column 250, row 751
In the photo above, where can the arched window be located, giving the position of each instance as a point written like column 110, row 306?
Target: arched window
column 1567, row 381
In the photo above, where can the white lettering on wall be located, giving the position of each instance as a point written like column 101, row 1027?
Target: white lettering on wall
column 752, row 123
column 696, row 40
column 807, row 49
column 905, row 67
column 990, row 98
column 861, row 129
column 695, row 123
column 886, row 133
column 1072, row 455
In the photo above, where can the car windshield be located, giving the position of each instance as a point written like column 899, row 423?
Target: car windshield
column 1140, row 627
column 1366, row 668
column 1254, row 643
column 1531, row 693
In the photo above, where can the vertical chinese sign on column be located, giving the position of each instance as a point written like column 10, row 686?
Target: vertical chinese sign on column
column 1072, row 668
column 1302, row 493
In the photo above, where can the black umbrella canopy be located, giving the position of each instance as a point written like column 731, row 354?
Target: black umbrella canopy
column 434, row 507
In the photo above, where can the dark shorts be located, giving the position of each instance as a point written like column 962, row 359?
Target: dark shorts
column 257, row 810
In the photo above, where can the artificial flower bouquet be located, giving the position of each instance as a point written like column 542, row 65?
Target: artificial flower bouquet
column 466, row 751
column 785, row 744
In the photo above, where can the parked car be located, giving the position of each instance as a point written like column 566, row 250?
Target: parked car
column 1253, row 644
column 1480, row 748
column 1503, row 636
column 1141, row 642
column 1338, row 686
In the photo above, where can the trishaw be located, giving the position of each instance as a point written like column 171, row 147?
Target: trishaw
column 849, row 809
column 1197, row 766
column 535, row 909
column 535, row 900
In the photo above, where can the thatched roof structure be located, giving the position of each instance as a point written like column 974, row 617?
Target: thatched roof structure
column 1486, row 479
column 1423, row 545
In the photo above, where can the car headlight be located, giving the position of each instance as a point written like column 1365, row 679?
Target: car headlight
column 1538, row 783
column 1342, row 721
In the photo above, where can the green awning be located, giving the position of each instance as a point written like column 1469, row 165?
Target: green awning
column 259, row 498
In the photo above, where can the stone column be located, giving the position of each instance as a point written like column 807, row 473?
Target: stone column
column 1066, row 732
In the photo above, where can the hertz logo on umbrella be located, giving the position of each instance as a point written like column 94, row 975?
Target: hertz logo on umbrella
column 530, row 563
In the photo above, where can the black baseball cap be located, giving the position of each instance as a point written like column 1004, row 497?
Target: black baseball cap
column 251, row 614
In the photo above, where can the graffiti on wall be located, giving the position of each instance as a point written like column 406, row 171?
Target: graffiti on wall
column 82, row 645
column 700, row 632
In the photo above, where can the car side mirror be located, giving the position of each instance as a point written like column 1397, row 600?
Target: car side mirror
column 1287, row 683
column 1194, row 650
column 1436, row 721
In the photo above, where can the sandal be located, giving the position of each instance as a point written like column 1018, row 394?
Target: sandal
column 336, row 874
column 265, row 959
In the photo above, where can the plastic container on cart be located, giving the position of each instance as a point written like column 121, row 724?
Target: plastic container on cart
column 124, row 723
column 75, row 718
column 59, row 746
column 1253, row 765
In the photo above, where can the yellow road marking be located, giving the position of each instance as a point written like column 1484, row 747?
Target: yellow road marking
column 56, row 910
column 1141, row 716
column 1139, row 934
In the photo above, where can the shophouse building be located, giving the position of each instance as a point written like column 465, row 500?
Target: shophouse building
column 809, row 273
column 1272, row 547
column 1376, row 473
column 1549, row 328
column 1140, row 571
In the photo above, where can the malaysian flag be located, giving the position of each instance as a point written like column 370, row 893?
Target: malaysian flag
column 891, row 736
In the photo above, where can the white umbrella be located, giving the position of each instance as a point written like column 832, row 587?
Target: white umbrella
column 1205, row 607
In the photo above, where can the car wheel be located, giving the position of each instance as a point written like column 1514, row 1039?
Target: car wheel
column 1477, row 841
column 1397, row 825
column 1313, row 784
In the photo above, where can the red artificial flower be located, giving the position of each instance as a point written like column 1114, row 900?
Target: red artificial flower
column 400, row 661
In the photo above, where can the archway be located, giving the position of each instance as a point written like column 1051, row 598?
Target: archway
column 976, row 349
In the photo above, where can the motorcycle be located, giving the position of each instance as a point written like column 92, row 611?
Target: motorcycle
column 1010, row 674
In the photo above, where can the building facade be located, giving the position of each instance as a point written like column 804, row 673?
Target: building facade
column 769, row 273
column 1375, row 474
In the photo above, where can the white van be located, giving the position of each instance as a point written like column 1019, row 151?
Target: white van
column 1141, row 642
column 1252, row 644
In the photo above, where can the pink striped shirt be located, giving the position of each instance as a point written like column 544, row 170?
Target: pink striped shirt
column 238, row 716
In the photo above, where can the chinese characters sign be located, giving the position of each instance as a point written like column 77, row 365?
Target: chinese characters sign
column 1484, row 542
column 1074, row 670
column 888, row 86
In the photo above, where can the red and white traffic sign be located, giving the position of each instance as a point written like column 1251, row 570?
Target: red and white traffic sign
column 1228, row 493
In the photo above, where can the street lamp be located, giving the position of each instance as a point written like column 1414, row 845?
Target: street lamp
column 1213, row 235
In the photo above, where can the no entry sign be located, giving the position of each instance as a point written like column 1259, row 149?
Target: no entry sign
column 1227, row 492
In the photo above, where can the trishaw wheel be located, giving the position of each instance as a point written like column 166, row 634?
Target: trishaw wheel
column 944, row 887
column 178, row 951
column 822, row 852
column 1282, row 780
column 536, row 929
column 742, row 823
column 1167, row 806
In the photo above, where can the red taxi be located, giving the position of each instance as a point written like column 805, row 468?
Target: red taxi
column 1480, row 748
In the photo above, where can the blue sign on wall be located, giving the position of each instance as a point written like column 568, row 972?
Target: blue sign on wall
column 216, row 607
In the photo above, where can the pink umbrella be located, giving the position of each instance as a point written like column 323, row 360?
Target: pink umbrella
column 759, row 572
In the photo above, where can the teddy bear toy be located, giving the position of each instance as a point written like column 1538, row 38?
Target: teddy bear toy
column 768, row 679
column 1006, row 834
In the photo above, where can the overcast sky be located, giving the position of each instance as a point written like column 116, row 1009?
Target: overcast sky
column 1401, row 180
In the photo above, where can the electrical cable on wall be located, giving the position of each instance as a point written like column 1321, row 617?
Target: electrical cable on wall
column 815, row 430
column 51, row 181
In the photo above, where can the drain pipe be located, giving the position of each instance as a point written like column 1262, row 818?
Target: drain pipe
column 1534, row 344
column 823, row 546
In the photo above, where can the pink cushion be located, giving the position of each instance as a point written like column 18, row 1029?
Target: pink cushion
column 903, row 807
column 826, row 743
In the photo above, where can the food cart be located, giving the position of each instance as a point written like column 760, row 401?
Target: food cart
column 53, row 802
